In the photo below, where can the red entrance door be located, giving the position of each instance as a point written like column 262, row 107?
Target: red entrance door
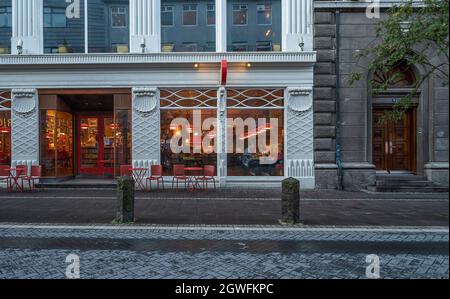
column 96, row 145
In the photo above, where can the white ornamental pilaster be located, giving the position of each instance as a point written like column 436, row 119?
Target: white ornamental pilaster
column 300, row 135
column 297, row 25
column 145, row 127
column 221, row 25
column 222, row 136
column 27, row 27
column 25, row 127
column 145, row 27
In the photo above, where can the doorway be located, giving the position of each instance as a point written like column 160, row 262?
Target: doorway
column 96, row 139
column 394, row 143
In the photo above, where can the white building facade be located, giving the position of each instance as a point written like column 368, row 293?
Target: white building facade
column 88, row 86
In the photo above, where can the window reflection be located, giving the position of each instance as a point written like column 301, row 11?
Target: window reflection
column 63, row 34
column 254, row 25
column 5, row 26
column 108, row 24
column 207, row 156
column 245, row 160
column 188, row 26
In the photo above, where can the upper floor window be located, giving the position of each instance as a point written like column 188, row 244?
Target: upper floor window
column 119, row 17
column 166, row 15
column 6, row 17
column 188, row 26
column 240, row 14
column 264, row 14
column 54, row 17
column 190, row 14
column 262, row 19
column 211, row 14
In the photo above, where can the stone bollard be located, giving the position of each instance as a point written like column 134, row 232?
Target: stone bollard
column 290, row 201
column 125, row 199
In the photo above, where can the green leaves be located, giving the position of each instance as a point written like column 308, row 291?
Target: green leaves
column 414, row 35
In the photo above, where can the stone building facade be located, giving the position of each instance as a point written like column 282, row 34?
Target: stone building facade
column 349, row 144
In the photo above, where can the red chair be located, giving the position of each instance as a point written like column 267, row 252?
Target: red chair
column 20, row 172
column 4, row 175
column 179, row 175
column 35, row 174
column 156, row 175
column 125, row 170
column 209, row 171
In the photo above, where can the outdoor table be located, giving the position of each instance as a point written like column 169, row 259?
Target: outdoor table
column 14, row 175
column 138, row 175
column 192, row 174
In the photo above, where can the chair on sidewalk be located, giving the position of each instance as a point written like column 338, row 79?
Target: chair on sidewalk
column 209, row 172
column 156, row 175
column 35, row 174
column 125, row 170
column 5, row 176
column 179, row 175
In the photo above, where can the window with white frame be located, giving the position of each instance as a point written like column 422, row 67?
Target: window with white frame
column 264, row 14
column 240, row 14
column 189, row 14
column 5, row 16
column 54, row 17
column 119, row 17
column 211, row 14
column 262, row 21
column 167, row 15
column 188, row 26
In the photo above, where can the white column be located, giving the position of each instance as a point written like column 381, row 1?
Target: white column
column 221, row 25
column 27, row 26
column 145, row 127
column 297, row 25
column 300, row 135
column 222, row 136
column 145, row 26
column 25, row 127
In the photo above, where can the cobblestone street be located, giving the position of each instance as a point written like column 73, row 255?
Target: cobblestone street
column 222, row 252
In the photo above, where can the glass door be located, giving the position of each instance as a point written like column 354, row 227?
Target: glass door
column 96, row 145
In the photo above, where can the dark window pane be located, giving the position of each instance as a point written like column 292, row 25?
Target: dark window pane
column 5, row 26
column 262, row 21
column 188, row 26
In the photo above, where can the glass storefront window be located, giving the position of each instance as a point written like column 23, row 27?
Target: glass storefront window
column 64, row 30
column 255, row 132
column 188, row 26
column 5, row 127
column 188, row 116
column 56, row 143
column 108, row 26
column 5, row 26
column 253, row 25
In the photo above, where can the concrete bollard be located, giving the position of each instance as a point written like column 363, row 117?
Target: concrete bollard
column 290, row 201
column 125, row 199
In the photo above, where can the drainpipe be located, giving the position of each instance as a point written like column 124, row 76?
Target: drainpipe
column 338, row 114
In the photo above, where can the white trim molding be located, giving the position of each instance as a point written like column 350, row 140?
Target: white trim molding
column 27, row 26
column 297, row 25
column 159, row 58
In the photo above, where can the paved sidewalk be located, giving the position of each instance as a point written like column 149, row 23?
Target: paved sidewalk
column 221, row 252
column 227, row 206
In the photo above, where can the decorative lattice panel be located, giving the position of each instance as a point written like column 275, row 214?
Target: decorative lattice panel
column 255, row 98
column 5, row 99
column 300, row 133
column 188, row 98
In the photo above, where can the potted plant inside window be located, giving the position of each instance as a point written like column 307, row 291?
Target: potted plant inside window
column 64, row 47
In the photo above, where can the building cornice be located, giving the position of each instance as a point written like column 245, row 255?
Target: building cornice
column 157, row 58
column 361, row 3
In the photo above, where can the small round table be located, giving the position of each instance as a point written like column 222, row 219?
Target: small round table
column 138, row 175
column 192, row 174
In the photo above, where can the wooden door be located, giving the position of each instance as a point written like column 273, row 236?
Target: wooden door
column 393, row 143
